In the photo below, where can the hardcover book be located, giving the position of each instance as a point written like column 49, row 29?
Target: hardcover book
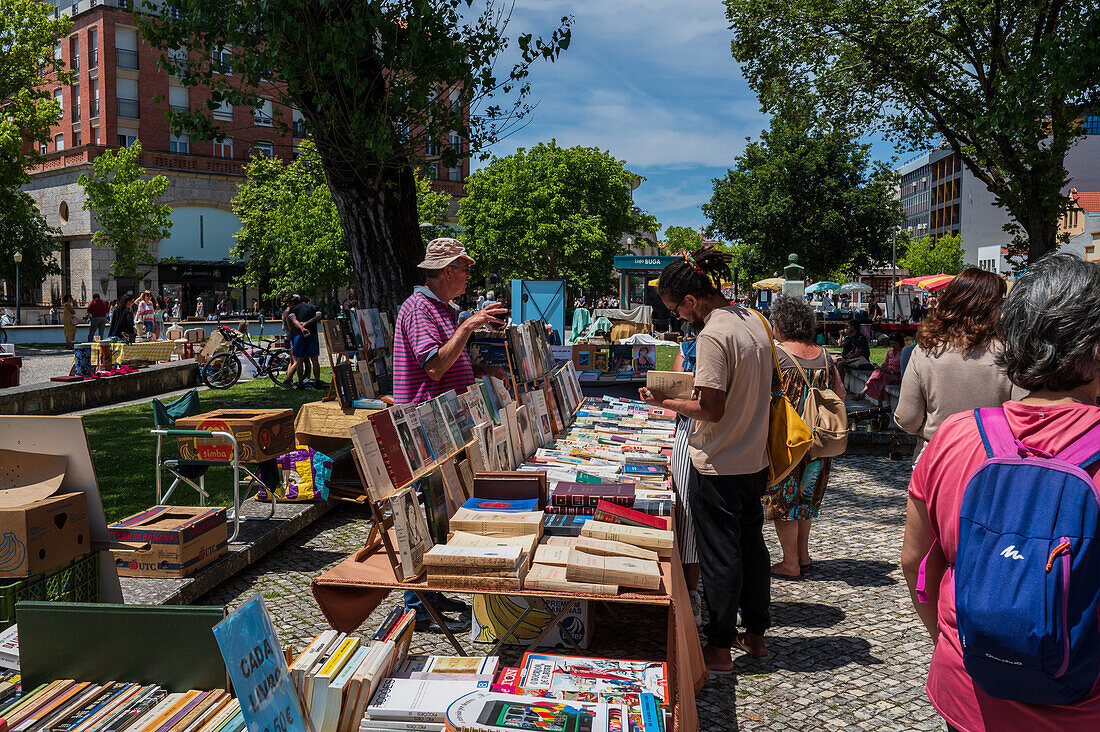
column 385, row 446
column 563, row 525
column 345, row 383
column 590, row 494
column 613, row 513
column 623, row 571
column 495, row 712
column 411, row 527
column 608, row 679
column 552, row 577
column 501, row 505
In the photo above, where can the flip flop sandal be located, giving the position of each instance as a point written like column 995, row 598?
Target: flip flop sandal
column 792, row 577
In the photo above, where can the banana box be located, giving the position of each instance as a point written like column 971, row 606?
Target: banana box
column 261, row 434
column 168, row 541
column 493, row 615
column 39, row 536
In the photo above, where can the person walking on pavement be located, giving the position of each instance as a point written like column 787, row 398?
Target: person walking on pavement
column 68, row 320
column 98, row 309
column 728, row 447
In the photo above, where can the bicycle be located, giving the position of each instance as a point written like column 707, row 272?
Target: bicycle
column 223, row 369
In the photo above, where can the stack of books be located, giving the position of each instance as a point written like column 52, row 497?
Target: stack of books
column 485, row 567
column 418, row 693
column 73, row 705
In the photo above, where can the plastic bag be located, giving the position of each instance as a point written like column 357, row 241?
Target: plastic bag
column 306, row 474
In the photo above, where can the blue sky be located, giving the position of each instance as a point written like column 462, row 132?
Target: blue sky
column 652, row 82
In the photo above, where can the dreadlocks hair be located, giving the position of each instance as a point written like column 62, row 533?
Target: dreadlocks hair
column 699, row 274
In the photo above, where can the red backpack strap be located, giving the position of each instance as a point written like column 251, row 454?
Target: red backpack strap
column 997, row 437
column 1083, row 451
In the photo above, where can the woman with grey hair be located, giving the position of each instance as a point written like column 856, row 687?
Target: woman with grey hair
column 1051, row 348
column 794, row 503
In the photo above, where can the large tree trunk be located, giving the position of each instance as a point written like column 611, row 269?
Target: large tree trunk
column 1042, row 232
column 383, row 234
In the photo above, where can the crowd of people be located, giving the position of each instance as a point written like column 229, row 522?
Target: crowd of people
column 1029, row 363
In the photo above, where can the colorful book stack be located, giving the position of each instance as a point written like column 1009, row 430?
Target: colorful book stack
column 81, row 706
column 418, row 693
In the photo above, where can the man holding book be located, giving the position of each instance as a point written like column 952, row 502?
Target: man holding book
column 430, row 356
column 728, row 447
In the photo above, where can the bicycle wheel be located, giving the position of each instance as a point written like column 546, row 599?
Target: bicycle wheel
column 221, row 371
column 278, row 361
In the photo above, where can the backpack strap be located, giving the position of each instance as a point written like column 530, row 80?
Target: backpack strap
column 921, row 590
column 1085, row 450
column 997, row 437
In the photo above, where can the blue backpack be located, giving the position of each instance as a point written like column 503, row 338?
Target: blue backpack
column 1027, row 568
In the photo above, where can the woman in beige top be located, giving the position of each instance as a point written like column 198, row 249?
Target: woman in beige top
column 952, row 369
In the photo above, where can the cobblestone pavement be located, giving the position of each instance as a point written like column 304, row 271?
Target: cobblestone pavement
column 847, row 650
column 42, row 364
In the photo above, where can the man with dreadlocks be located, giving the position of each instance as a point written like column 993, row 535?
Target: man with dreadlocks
column 728, row 447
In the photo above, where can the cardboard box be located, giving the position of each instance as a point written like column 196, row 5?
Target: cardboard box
column 494, row 614
column 38, row 536
column 261, row 434
column 168, row 541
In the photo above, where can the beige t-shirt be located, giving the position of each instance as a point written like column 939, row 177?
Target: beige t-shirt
column 733, row 354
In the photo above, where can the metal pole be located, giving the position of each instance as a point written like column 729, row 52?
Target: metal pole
column 17, row 303
column 894, row 270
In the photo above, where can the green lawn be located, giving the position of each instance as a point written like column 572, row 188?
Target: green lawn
column 123, row 450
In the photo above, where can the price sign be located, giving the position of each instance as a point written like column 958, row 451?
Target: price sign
column 258, row 670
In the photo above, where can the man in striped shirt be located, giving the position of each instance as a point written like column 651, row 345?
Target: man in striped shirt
column 429, row 345
column 430, row 358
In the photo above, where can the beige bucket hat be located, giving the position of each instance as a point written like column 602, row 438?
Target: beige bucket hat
column 441, row 252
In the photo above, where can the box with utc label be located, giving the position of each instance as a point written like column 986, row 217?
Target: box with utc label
column 168, row 541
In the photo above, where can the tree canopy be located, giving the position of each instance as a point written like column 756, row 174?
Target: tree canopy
column 812, row 193
column 550, row 213
column 28, row 71
column 290, row 237
column 381, row 86
column 125, row 202
column 1006, row 86
column 431, row 208
column 928, row 256
column 681, row 239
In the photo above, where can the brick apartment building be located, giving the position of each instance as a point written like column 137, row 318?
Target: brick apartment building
column 112, row 104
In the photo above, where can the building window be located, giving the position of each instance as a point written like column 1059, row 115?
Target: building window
column 43, row 148
column 126, row 48
column 261, row 115
column 127, row 137
column 223, row 148
column 431, row 147
column 95, row 135
column 223, row 111
column 454, row 174
column 59, row 143
column 58, row 96
column 221, row 61
column 93, row 103
column 128, row 108
column 1092, row 124
column 433, row 171
column 76, row 139
column 74, row 53
column 93, row 48
column 179, row 144
column 177, row 98
column 76, row 104
column 177, row 60
column 263, row 147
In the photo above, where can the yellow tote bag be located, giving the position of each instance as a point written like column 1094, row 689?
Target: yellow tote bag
column 789, row 438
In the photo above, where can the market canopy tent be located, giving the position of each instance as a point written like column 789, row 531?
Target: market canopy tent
column 821, row 287
column 931, row 283
column 772, row 283
column 849, row 287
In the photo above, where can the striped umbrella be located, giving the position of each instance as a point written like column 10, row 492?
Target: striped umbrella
column 931, row 283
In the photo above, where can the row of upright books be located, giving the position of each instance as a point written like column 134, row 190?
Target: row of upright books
column 81, row 706
column 365, row 337
column 376, row 686
column 524, row 348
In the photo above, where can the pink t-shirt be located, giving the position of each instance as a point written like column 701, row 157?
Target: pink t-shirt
column 939, row 480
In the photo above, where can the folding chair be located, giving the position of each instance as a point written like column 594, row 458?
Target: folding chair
column 193, row 472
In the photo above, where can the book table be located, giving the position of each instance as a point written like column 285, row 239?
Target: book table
column 322, row 425
column 350, row 591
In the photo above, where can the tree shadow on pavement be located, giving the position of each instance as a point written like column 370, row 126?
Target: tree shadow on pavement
column 805, row 614
column 855, row 572
column 807, row 655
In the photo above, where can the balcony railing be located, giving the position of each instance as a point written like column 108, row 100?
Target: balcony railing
column 93, row 59
column 74, row 64
column 126, row 59
column 128, row 108
column 178, row 107
column 93, row 109
column 76, row 114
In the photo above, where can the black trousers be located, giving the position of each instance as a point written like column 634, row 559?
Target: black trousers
column 733, row 558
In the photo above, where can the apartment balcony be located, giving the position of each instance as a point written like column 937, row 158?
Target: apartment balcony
column 126, row 59
column 178, row 108
column 149, row 158
column 76, row 115
column 128, row 108
column 93, row 59
column 74, row 64
column 93, row 109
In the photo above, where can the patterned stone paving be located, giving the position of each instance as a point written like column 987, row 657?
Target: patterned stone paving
column 848, row 651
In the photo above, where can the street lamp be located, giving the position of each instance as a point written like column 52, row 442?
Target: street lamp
column 18, row 257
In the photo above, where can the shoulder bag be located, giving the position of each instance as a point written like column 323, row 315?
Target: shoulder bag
column 788, row 436
column 825, row 413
